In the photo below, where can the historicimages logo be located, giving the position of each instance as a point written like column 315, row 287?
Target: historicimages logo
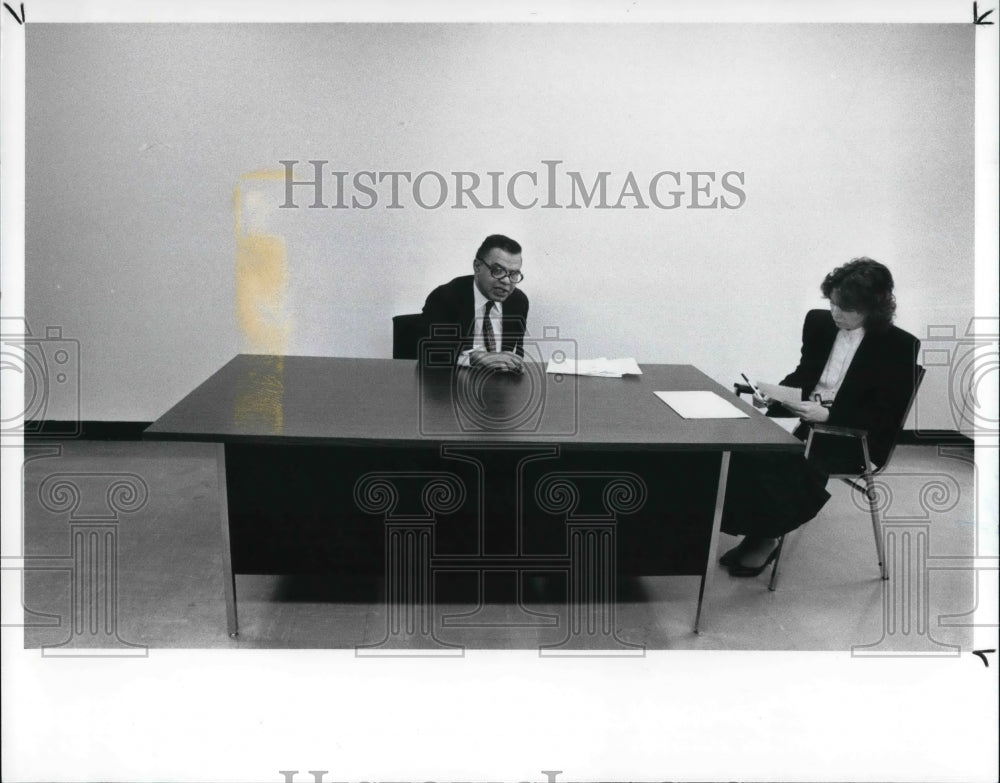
column 547, row 188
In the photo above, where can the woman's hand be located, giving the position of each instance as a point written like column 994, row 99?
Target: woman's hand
column 809, row 411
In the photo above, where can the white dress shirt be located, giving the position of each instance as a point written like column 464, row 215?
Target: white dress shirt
column 845, row 345
column 496, row 319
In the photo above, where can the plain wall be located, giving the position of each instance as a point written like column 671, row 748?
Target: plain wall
column 853, row 140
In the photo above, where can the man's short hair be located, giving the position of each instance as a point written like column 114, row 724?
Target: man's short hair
column 506, row 244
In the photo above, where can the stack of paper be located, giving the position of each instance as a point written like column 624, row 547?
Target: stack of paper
column 601, row 368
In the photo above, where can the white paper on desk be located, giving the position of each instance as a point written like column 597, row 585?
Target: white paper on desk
column 580, row 367
column 600, row 368
column 700, row 405
column 625, row 366
column 583, row 367
column 781, row 393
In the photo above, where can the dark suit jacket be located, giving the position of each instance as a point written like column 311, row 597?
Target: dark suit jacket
column 452, row 306
column 877, row 387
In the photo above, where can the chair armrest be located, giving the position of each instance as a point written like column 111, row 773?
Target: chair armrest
column 847, row 432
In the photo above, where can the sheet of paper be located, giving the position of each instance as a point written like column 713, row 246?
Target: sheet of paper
column 578, row 367
column 700, row 405
column 781, row 393
column 601, row 368
column 625, row 366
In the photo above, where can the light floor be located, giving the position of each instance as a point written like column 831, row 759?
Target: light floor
column 170, row 584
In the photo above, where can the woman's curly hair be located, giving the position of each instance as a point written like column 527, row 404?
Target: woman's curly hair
column 865, row 286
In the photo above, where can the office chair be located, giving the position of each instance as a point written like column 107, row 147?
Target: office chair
column 861, row 481
column 407, row 331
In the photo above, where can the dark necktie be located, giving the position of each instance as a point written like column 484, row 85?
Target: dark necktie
column 489, row 339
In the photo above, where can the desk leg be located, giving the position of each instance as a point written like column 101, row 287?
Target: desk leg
column 229, row 580
column 713, row 546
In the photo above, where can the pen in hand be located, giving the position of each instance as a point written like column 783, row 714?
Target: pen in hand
column 756, row 392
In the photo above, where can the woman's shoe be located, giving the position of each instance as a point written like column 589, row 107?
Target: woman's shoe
column 732, row 556
column 738, row 569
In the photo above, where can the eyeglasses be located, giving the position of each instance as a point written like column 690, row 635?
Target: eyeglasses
column 499, row 273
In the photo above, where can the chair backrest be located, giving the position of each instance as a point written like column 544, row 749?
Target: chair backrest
column 407, row 331
column 918, row 377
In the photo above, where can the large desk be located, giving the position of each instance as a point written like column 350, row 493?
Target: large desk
column 369, row 464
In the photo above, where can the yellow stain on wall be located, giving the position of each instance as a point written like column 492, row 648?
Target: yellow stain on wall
column 259, row 393
column 261, row 280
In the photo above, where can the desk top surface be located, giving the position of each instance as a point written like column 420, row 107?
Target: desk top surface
column 318, row 400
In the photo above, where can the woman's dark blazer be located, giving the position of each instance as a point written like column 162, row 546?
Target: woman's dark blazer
column 877, row 387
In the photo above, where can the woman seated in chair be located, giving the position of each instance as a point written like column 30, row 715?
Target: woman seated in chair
column 857, row 370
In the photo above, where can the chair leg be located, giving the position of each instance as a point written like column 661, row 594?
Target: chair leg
column 876, row 527
column 774, row 568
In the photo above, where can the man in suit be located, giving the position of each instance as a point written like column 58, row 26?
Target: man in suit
column 485, row 309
